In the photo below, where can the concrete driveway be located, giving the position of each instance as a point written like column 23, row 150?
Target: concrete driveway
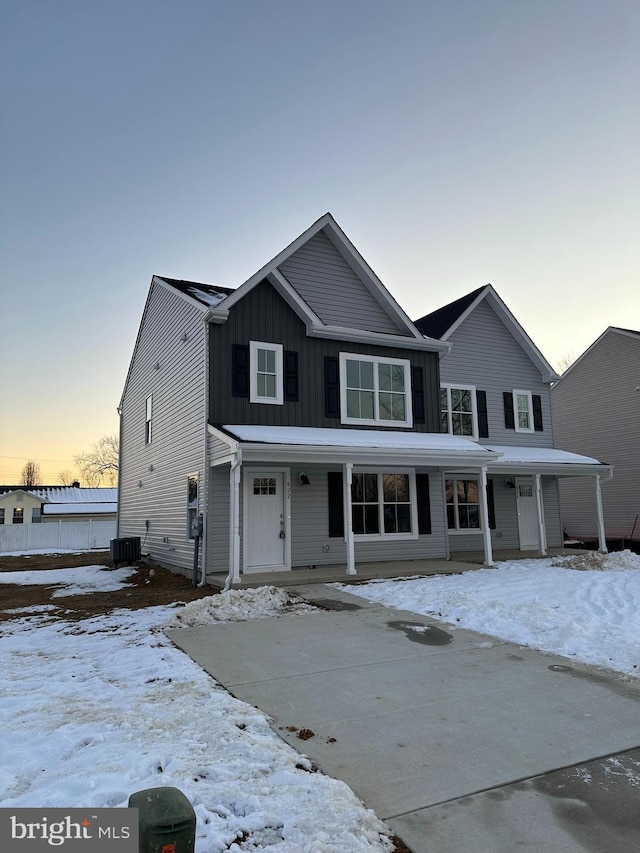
column 460, row 741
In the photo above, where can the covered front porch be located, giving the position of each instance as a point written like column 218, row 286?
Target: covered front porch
column 459, row 562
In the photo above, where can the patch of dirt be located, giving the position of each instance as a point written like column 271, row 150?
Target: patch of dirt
column 151, row 585
column 587, row 562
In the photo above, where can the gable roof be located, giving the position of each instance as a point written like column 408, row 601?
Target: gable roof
column 630, row 333
column 437, row 324
column 206, row 294
column 5, row 491
column 447, row 319
column 406, row 333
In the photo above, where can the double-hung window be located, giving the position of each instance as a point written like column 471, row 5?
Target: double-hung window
column 523, row 411
column 463, row 504
column 18, row 515
column 375, row 391
column 459, row 415
column 266, row 373
column 2, row 515
column 383, row 504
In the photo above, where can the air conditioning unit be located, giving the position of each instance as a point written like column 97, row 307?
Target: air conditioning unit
column 125, row 550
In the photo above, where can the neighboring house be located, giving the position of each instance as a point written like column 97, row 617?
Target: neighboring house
column 304, row 399
column 596, row 410
column 19, row 506
column 56, row 503
column 495, row 389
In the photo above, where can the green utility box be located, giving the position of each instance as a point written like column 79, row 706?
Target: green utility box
column 167, row 821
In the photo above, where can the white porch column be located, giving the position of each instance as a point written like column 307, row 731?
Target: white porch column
column 234, row 521
column 484, row 516
column 348, row 522
column 542, row 530
column 602, row 538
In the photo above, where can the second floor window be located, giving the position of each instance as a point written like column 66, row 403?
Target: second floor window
column 459, row 415
column 375, row 390
column 523, row 410
column 266, row 376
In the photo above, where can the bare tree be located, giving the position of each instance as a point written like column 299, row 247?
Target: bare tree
column 30, row 474
column 67, row 478
column 565, row 361
column 101, row 462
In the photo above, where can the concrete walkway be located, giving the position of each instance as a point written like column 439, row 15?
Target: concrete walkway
column 461, row 742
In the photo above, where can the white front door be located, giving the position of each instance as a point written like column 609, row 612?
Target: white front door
column 265, row 521
column 527, row 514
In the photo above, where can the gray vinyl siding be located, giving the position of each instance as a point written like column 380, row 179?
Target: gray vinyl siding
column 173, row 372
column 505, row 535
column 485, row 354
column 219, row 515
column 332, row 289
column 596, row 411
column 264, row 316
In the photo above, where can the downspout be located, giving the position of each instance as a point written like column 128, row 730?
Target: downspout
column 119, row 411
column 205, row 475
column 542, row 532
column 234, row 521
column 602, row 537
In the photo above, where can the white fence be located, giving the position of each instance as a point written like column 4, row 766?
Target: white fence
column 75, row 535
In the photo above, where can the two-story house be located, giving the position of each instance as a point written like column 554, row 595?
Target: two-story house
column 596, row 410
column 299, row 416
column 495, row 389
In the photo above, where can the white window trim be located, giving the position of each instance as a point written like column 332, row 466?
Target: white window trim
column 254, row 397
column 376, row 421
column 413, row 501
column 529, row 396
column 460, row 531
column 448, row 386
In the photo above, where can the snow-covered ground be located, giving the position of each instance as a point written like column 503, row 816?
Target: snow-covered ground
column 586, row 607
column 92, row 711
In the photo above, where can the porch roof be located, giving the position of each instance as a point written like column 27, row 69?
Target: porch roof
column 544, row 460
column 372, row 446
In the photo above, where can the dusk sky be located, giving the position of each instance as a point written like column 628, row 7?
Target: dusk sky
column 456, row 142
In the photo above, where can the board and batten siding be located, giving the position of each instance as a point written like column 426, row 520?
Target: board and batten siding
column 485, row 354
column 153, row 477
column 596, row 411
column 262, row 315
column 332, row 289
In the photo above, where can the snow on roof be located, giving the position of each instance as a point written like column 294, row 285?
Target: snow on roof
column 72, row 494
column 540, row 455
column 319, row 436
column 79, row 508
column 208, row 294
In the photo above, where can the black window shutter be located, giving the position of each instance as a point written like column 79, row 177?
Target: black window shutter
column 509, row 417
column 331, row 387
column 240, row 370
column 424, row 504
column 336, row 504
column 417, row 395
column 491, row 506
column 291, row 376
column 537, row 412
column 483, row 418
